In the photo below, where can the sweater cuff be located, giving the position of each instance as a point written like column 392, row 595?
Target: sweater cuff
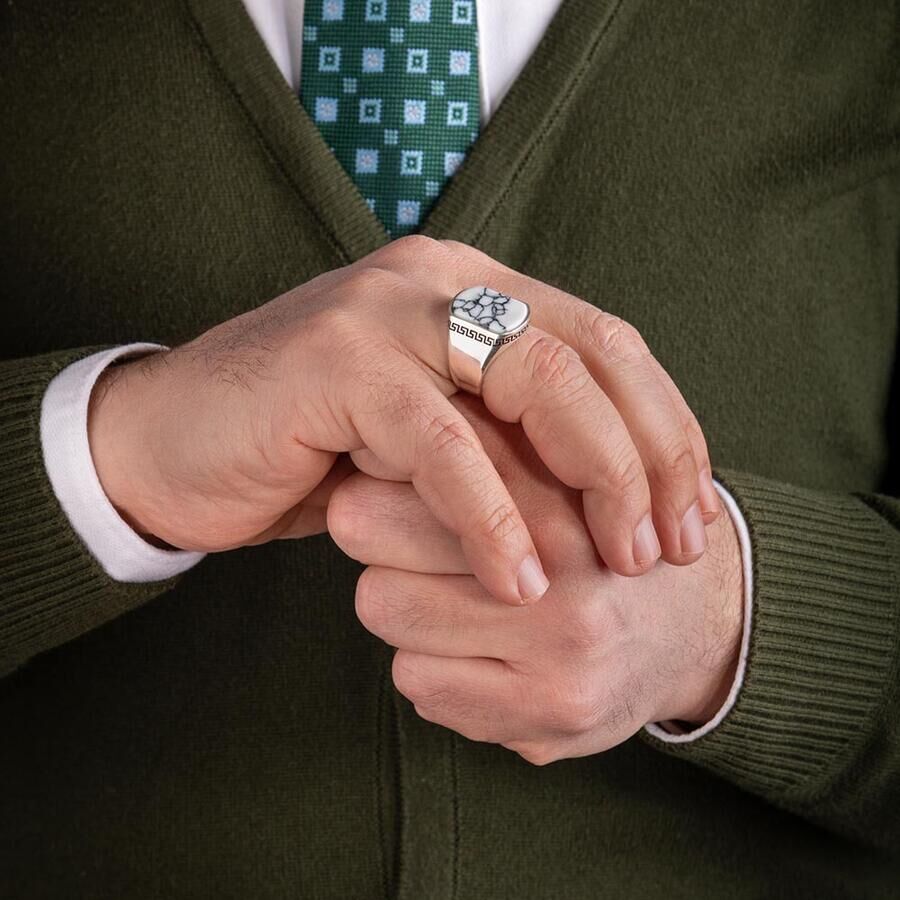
column 122, row 553
column 825, row 589
column 52, row 590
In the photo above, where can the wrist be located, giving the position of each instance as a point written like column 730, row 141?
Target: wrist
column 117, row 412
column 713, row 667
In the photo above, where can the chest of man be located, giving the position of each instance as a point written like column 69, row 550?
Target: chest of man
column 688, row 167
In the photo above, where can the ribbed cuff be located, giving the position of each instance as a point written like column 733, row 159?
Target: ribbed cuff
column 824, row 636
column 51, row 588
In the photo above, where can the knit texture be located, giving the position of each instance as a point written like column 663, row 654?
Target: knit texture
column 725, row 178
column 52, row 588
column 823, row 672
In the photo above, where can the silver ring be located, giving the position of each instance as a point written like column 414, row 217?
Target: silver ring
column 482, row 321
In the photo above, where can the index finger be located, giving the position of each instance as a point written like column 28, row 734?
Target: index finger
column 410, row 425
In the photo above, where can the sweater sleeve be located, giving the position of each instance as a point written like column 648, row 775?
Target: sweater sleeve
column 51, row 588
column 815, row 729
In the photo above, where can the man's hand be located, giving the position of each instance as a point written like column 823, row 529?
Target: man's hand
column 576, row 674
column 221, row 442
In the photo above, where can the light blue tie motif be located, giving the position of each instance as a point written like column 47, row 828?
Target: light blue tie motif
column 393, row 87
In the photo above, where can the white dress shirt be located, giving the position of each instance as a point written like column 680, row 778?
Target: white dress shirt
column 508, row 32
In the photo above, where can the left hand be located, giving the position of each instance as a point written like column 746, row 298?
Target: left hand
column 581, row 671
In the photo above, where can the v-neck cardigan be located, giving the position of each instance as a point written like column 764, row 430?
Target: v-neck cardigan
column 726, row 179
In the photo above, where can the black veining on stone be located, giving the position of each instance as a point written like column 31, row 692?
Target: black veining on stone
column 488, row 309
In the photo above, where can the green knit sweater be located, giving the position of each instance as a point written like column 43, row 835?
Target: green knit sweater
column 724, row 176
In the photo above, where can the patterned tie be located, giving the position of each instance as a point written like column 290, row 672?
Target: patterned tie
column 393, row 87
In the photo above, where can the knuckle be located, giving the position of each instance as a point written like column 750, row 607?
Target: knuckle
column 449, row 436
column 697, row 439
column 540, row 754
column 571, row 710
column 501, row 524
column 616, row 339
column 673, row 463
column 583, row 637
column 461, row 248
column 485, row 267
column 625, row 475
column 418, row 245
column 556, row 364
column 335, row 324
column 345, row 318
column 412, row 249
column 371, row 282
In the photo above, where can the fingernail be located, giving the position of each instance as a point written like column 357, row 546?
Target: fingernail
column 646, row 543
column 533, row 583
column 709, row 498
column 693, row 532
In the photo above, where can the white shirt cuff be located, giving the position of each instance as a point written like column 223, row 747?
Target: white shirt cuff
column 122, row 553
column 740, row 525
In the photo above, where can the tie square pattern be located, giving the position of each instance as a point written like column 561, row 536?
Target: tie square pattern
column 408, row 212
column 411, row 162
column 463, row 14
column 329, row 59
column 326, row 109
column 460, row 62
column 370, row 110
column 420, row 11
column 452, row 161
column 413, row 65
column 417, row 60
column 366, row 161
column 414, row 112
column 372, row 59
column 457, row 112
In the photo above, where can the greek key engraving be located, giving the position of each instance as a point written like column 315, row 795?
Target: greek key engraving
column 481, row 337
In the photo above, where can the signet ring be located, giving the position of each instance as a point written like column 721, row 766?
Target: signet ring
column 482, row 322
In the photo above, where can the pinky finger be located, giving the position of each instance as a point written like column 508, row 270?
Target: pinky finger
column 709, row 498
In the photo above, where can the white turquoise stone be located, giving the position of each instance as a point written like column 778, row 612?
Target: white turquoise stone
column 490, row 309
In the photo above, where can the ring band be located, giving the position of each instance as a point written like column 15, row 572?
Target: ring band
column 482, row 321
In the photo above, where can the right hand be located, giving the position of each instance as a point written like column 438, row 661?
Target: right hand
column 223, row 442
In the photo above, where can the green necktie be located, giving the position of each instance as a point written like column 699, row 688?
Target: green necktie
column 393, row 87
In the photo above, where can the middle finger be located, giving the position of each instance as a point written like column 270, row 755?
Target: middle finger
column 577, row 431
